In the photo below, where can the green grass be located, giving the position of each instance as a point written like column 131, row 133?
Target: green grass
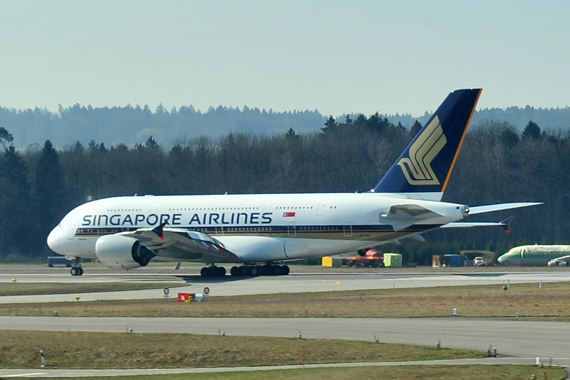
column 428, row 372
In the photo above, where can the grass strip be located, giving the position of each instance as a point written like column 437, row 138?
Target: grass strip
column 467, row 372
column 522, row 300
column 20, row 349
column 23, row 289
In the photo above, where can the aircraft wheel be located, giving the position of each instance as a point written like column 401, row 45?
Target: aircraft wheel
column 254, row 271
column 80, row 271
column 235, row 272
column 275, row 270
column 243, row 271
column 284, row 270
column 221, row 271
column 74, row 271
column 205, row 272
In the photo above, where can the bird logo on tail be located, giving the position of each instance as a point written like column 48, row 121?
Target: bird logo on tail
column 417, row 168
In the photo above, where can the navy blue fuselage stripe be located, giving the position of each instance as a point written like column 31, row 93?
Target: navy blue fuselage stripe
column 300, row 229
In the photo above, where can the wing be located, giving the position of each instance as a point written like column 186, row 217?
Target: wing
column 559, row 261
column 183, row 245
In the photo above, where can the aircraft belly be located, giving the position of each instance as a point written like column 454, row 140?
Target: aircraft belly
column 255, row 248
column 303, row 248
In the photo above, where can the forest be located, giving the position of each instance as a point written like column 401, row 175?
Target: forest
column 134, row 125
column 497, row 164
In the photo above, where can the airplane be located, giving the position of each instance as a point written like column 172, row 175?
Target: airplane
column 260, row 232
column 536, row 255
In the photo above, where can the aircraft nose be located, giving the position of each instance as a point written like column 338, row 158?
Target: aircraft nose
column 54, row 240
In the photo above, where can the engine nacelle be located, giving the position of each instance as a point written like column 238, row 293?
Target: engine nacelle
column 122, row 252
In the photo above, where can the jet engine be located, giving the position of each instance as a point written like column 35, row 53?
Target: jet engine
column 122, row 252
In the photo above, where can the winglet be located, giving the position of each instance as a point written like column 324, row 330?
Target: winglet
column 159, row 230
column 506, row 224
column 426, row 164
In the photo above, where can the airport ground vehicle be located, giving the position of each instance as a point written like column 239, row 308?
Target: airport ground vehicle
column 58, row 260
column 371, row 259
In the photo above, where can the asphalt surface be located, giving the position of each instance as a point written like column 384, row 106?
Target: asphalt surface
column 322, row 281
column 516, row 341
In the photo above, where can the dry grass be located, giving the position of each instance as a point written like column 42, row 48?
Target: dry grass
column 20, row 289
column 482, row 301
column 20, row 349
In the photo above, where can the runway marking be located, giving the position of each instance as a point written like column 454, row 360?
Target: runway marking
column 27, row 374
column 522, row 329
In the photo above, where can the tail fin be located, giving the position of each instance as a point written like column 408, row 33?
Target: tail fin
column 424, row 168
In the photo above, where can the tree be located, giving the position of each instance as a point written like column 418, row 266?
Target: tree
column 48, row 192
column 532, row 130
column 416, row 127
column 291, row 135
column 509, row 136
column 14, row 204
column 5, row 138
column 330, row 125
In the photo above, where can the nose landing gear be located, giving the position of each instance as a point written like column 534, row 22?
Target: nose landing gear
column 76, row 269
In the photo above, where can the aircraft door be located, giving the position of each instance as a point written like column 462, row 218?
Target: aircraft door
column 291, row 230
column 71, row 233
column 347, row 228
column 321, row 208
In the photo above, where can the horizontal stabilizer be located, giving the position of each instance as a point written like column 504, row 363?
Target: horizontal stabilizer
column 472, row 224
column 505, row 224
column 500, row 206
column 402, row 216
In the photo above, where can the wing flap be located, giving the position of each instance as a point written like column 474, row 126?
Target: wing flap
column 184, row 245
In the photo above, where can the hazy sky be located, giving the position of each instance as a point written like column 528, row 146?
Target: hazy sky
column 358, row 56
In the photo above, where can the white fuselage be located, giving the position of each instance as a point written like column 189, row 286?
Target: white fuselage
column 257, row 228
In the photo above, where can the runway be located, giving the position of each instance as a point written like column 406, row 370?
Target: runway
column 523, row 339
column 335, row 280
column 516, row 341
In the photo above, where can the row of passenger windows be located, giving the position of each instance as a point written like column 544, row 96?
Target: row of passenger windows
column 222, row 208
column 243, row 208
column 214, row 209
column 125, row 210
column 93, row 231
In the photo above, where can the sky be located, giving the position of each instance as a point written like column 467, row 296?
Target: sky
column 337, row 57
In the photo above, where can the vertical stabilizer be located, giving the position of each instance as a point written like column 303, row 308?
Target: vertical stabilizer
column 424, row 168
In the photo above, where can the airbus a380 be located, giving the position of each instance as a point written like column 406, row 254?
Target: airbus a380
column 261, row 231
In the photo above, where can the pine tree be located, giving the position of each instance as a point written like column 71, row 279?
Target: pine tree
column 48, row 192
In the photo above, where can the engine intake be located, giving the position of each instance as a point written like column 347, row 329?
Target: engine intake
column 122, row 252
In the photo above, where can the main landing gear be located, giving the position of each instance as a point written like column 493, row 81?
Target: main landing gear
column 246, row 271
column 76, row 269
column 213, row 271
column 260, row 270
